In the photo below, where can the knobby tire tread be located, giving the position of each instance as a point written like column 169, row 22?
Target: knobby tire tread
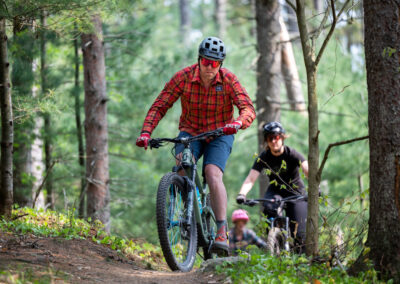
column 275, row 241
column 163, row 190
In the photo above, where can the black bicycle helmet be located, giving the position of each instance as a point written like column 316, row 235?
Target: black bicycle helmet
column 212, row 48
column 273, row 128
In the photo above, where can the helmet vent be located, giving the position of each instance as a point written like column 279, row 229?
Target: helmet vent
column 212, row 48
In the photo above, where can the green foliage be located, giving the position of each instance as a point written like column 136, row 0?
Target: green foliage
column 54, row 224
column 262, row 268
column 20, row 275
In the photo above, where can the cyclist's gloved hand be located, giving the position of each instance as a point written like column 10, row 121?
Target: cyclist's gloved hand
column 143, row 140
column 278, row 199
column 232, row 128
column 240, row 199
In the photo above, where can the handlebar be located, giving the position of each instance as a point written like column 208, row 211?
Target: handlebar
column 295, row 198
column 159, row 142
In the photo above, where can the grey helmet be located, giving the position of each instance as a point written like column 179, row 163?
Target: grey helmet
column 273, row 128
column 212, row 48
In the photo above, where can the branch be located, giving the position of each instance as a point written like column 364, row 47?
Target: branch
column 321, row 168
column 42, row 184
column 331, row 30
column 291, row 5
column 322, row 24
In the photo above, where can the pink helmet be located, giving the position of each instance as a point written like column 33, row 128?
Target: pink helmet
column 240, row 214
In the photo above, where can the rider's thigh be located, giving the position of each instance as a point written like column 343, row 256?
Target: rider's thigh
column 196, row 147
column 217, row 152
column 297, row 212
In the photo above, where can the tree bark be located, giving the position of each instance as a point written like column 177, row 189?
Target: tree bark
column 382, row 46
column 6, row 163
column 290, row 73
column 81, row 154
column 220, row 17
column 22, row 81
column 97, row 175
column 268, row 69
column 185, row 23
column 46, row 116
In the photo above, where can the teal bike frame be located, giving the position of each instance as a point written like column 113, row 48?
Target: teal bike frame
column 200, row 190
column 196, row 190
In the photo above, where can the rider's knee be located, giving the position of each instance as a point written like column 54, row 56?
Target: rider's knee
column 213, row 173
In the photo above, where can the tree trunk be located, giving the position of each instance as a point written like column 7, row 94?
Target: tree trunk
column 382, row 45
column 97, row 175
column 6, row 163
column 37, row 166
column 184, row 11
column 290, row 73
column 81, row 153
column 220, row 17
column 313, row 132
column 22, row 81
column 268, row 69
column 47, row 118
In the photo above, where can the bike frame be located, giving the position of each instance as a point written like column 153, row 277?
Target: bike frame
column 280, row 217
column 193, row 181
column 190, row 169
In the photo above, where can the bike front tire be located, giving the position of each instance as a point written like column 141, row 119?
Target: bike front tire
column 178, row 240
column 275, row 241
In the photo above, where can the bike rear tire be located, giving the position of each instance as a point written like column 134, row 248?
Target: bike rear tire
column 174, row 186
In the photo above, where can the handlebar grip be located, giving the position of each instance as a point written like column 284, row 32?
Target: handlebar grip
column 251, row 203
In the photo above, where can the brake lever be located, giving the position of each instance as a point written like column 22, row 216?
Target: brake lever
column 154, row 143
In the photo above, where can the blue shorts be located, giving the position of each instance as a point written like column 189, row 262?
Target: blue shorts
column 216, row 152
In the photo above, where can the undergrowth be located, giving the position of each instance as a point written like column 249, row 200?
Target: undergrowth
column 47, row 223
column 289, row 268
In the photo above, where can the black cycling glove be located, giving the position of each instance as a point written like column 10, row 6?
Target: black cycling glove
column 240, row 199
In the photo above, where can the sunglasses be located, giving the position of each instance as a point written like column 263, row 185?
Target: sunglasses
column 276, row 137
column 206, row 62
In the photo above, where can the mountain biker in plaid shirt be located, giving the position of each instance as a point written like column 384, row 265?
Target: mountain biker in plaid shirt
column 208, row 94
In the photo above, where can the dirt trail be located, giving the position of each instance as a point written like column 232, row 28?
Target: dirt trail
column 80, row 261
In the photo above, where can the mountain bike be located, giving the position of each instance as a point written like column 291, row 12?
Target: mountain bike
column 279, row 238
column 185, row 220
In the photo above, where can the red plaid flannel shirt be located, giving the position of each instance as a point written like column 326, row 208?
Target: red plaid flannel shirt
column 202, row 110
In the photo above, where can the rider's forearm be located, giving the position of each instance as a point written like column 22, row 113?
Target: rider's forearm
column 249, row 182
column 246, row 187
column 304, row 167
column 157, row 111
column 243, row 102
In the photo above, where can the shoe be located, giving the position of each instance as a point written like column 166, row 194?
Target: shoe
column 220, row 245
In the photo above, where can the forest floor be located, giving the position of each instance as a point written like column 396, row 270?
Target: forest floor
column 56, row 260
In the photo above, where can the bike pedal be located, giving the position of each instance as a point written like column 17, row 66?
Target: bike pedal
column 219, row 251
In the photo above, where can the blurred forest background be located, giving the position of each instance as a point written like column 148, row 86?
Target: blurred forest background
column 145, row 43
